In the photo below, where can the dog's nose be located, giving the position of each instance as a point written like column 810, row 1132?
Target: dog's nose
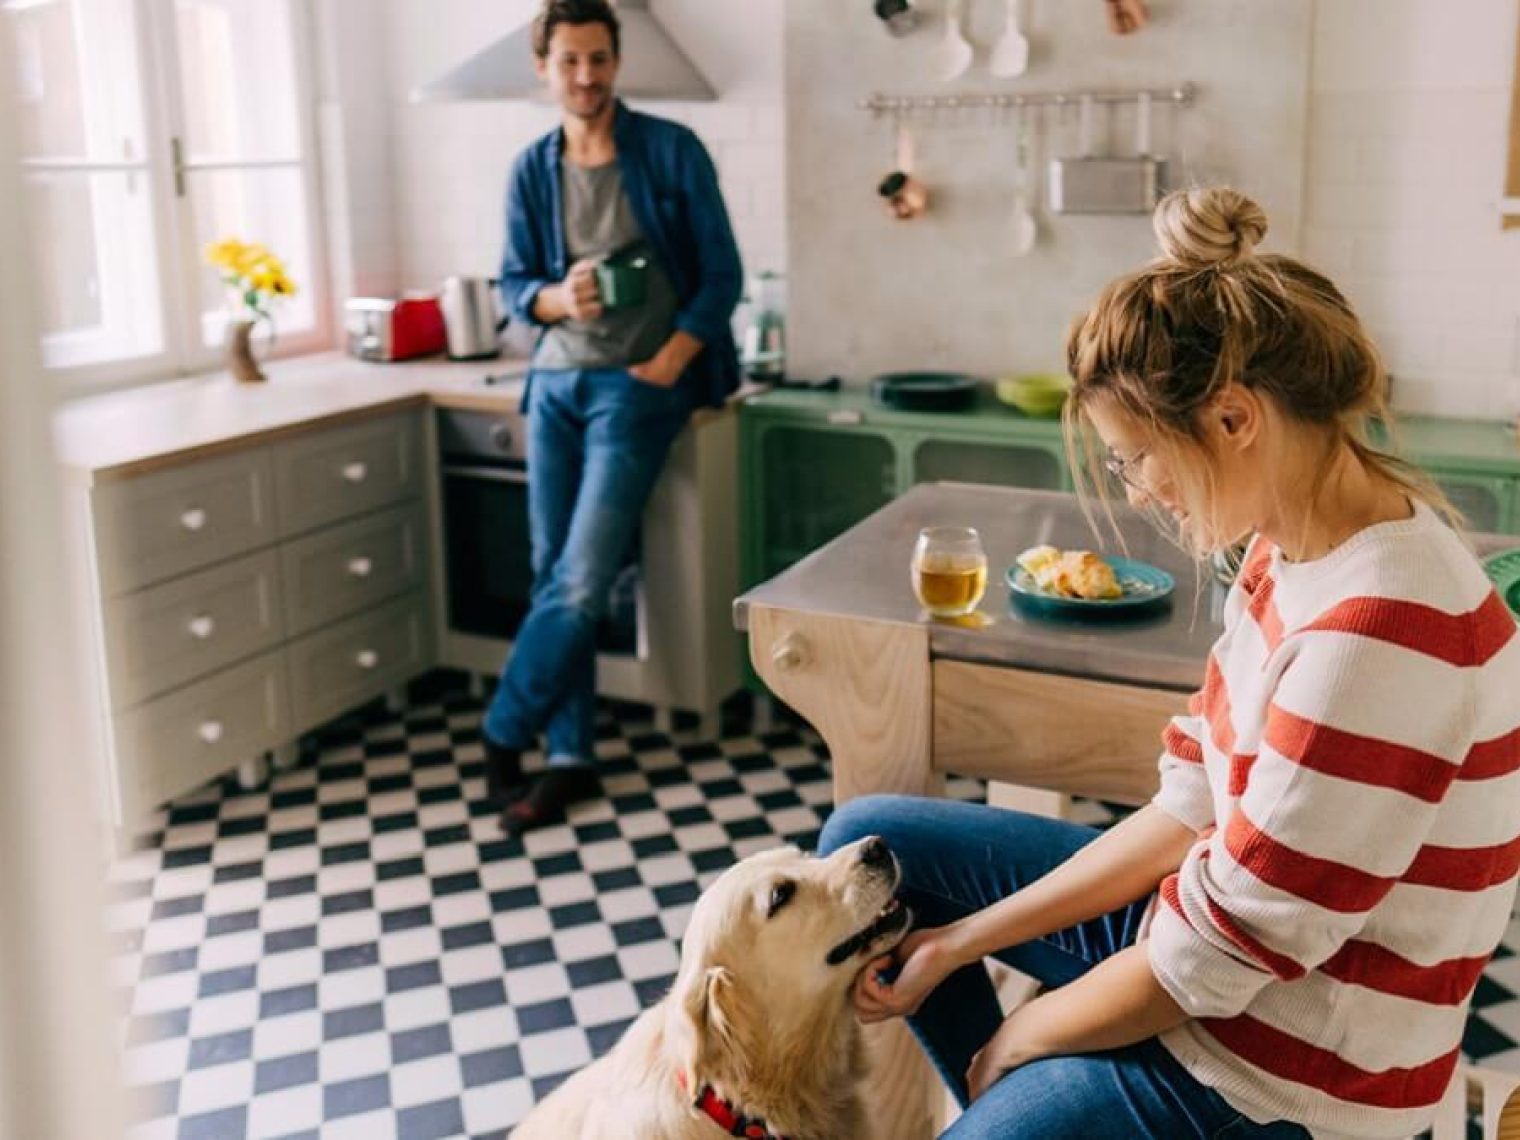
column 875, row 852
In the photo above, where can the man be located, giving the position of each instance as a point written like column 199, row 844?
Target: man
column 609, row 387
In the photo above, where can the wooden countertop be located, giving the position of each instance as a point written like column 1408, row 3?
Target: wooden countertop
column 119, row 434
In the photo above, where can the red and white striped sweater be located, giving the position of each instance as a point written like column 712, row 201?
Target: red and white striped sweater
column 1353, row 765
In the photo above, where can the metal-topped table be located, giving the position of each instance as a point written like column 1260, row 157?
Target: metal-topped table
column 864, row 575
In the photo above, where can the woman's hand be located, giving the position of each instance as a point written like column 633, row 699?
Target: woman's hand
column 925, row 962
column 1006, row 1051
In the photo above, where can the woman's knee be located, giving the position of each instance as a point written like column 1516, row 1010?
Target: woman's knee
column 865, row 815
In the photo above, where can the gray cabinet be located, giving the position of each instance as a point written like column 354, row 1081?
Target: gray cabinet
column 247, row 597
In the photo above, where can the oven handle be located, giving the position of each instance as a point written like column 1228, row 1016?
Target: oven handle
column 514, row 475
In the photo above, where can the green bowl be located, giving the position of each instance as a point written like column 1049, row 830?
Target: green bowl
column 1040, row 394
column 1504, row 571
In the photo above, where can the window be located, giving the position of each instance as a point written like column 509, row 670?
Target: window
column 150, row 128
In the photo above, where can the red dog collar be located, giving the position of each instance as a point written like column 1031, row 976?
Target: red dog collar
column 726, row 1116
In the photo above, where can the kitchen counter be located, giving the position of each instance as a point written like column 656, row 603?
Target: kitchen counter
column 119, row 434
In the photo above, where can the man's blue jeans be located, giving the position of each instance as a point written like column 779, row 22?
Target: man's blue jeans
column 597, row 439
column 957, row 858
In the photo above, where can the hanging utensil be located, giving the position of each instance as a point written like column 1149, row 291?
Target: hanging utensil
column 953, row 55
column 1011, row 55
column 906, row 197
column 1025, row 229
column 1089, row 184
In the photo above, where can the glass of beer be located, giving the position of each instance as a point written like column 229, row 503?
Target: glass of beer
column 949, row 570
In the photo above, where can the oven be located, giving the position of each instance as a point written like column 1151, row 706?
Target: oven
column 488, row 567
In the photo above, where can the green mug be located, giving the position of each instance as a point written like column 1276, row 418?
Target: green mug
column 622, row 281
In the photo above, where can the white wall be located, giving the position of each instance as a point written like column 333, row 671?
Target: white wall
column 872, row 294
column 1407, row 125
column 1376, row 139
column 449, row 160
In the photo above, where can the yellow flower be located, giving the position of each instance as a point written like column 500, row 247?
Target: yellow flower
column 224, row 254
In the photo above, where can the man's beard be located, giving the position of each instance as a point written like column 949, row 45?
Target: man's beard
column 587, row 104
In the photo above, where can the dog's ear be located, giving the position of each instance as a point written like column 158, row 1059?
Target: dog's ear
column 704, row 1003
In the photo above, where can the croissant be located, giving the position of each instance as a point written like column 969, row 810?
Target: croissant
column 1070, row 573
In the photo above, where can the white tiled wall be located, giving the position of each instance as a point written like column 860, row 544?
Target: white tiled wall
column 448, row 161
column 1408, row 116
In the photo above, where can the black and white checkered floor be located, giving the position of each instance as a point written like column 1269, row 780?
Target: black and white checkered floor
column 354, row 950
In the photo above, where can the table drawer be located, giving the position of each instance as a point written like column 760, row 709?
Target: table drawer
column 162, row 637
column 350, row 567
column 155, row 526
column 332, row 474
column 358, row 659
column 170, row 745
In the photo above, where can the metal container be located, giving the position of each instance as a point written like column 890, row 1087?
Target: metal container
column 471, row 317
column 1093, row 184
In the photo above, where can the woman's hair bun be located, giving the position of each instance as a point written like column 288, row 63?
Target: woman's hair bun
column 1208, row 228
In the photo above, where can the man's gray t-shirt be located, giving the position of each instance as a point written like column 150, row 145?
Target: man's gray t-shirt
column 598, row 223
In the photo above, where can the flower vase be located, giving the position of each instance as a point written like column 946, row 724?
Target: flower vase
column 240, row 359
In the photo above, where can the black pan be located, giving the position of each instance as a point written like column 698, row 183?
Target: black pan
column 925, row 391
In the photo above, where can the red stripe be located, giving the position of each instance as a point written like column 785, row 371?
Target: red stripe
column 1491, row 758
column 1466, row 640
column 1363, row 759
column 1240, row 772
column 1181, row 745
column 1216, row 707
column 1464, row 868
column 1378, row 968
column 1289, row 1058
column 1284, row 968
column 1264, row 612
column 1254, row 568
column 1323, row 882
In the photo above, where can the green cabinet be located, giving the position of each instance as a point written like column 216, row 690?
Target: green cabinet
column 815, row 463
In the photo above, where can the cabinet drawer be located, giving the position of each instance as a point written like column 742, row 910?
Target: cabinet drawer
column 330, row 475
column 348, row 568
column 169, row 746
column 358, row 659
column 159, row 525
column 159, row 638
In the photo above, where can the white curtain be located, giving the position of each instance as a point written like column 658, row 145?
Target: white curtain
column 58, row 1060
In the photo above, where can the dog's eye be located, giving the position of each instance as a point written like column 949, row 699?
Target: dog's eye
column 781, row 894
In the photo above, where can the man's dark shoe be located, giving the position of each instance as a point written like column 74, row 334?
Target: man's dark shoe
column 505, row 782
column 553, row 791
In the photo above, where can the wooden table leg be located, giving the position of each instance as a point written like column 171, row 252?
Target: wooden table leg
column 866, row 688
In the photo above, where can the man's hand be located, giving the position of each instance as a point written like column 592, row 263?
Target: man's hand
column 659, row 370
column 925, row 964
column 579, row 295
column 664, row 368
column 1126, row 16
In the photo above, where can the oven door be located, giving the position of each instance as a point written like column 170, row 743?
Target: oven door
column 486, row 547
column 490, row 565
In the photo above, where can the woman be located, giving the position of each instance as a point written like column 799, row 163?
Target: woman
column 1285, row 940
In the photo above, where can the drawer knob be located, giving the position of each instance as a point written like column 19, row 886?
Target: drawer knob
column 202, row 627
column 193, row 519
column 360, row 567
column 366, row 658
column 791, row 653
column 210, row 731
column 355, row 472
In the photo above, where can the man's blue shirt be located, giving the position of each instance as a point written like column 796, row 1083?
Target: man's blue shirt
column 672, row 189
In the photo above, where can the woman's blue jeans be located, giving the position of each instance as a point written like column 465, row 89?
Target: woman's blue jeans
column 958, row 858
column 597, row 439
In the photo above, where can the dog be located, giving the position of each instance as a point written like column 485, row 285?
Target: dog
column 758, row 1036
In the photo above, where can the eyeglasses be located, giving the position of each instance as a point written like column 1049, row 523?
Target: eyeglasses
column 1126, row 470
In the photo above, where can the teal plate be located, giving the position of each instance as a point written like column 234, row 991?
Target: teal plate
column 1504, row 571
column 1146, row 589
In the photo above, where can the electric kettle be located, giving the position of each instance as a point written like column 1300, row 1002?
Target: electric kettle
column 471, row 317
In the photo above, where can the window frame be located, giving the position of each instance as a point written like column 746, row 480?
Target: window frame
column 179, row 255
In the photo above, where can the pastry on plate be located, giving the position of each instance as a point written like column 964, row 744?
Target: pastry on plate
column 1071, row 573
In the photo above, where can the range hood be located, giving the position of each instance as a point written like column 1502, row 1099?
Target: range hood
column 653, row 66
